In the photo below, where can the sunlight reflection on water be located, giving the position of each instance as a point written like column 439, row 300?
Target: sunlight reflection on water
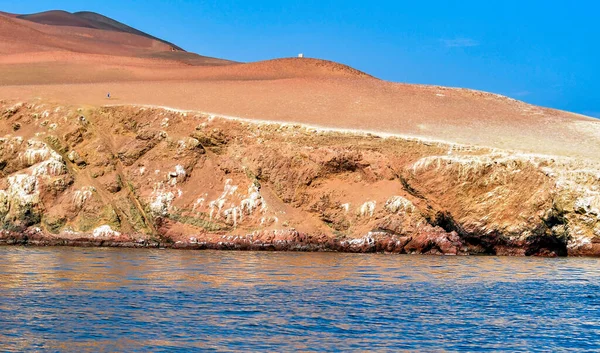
column 101, row 300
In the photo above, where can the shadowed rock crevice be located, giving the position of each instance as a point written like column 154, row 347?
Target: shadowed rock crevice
column 546, row 246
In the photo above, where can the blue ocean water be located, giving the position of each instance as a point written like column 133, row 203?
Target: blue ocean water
column 127, row 300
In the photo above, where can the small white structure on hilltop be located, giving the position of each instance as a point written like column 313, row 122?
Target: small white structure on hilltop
column 300, row 55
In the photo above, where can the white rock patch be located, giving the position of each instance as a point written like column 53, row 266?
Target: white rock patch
column 36, row 152
column 588, row 204
column 178, row 173
column 161, row 200
column 367, row 208
column 345, row 207
column 235, row 213
column 43, row 160
column 254, row 200
column 23, row 187
column 397, row 204
column 198, row 203
column 105, row 231
column 82, row 195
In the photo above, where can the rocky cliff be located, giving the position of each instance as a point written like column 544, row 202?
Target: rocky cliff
column 139, row 176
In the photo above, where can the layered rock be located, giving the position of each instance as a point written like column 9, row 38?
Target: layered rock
column 135, row 176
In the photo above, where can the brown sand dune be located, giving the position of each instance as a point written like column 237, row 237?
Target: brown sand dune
column 17, row 36
column 59, row 18
column 82, row 39
column 26, row 36
column 103, row 22
column 87, row 19
column 37, row 33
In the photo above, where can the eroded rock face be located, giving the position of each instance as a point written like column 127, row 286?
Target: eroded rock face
column 129, row 176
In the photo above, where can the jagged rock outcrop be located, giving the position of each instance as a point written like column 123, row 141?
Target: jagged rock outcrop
column 131, row 176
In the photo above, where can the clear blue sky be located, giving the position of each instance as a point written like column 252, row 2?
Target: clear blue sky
column 542, row 52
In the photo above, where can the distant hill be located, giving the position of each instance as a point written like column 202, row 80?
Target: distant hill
column 88, row 19
column 87, row 32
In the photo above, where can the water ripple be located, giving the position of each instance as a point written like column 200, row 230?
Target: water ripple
column 107, row 300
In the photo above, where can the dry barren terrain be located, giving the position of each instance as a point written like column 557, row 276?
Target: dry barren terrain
column 292, row 153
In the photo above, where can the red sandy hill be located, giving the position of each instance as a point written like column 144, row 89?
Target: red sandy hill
column 452, row 176
column 88, row 20
column 40, row 53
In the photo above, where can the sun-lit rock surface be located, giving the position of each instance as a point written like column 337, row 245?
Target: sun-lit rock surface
column 120, row 176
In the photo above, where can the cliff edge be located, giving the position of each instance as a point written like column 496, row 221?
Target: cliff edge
column 143, row 176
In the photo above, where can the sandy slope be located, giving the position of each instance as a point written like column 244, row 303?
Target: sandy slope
column 79, row 65
column 459, row 116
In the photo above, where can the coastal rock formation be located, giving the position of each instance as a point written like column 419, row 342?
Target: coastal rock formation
column 142, row 176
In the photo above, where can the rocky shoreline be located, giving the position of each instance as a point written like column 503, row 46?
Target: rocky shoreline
column 294, row 241
column 267, row 241
column 148, row 177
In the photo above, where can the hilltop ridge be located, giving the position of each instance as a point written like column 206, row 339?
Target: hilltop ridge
column 87, row 19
